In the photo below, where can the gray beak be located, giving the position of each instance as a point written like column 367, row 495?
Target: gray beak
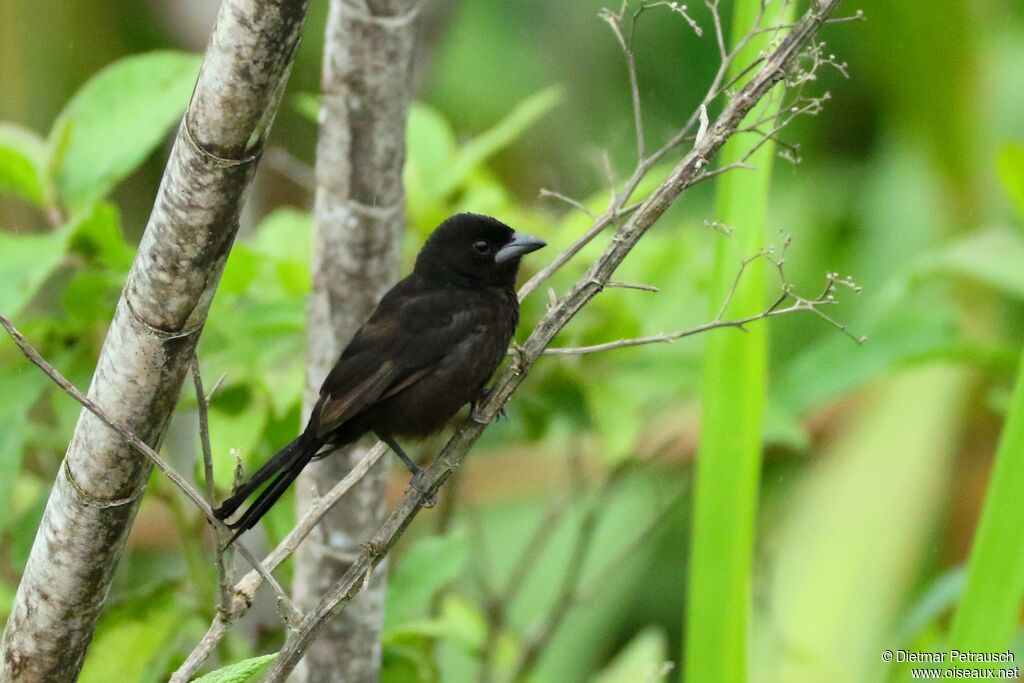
column 521, row 244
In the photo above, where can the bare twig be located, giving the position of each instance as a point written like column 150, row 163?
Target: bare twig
column 615, row 22
column 614, row 284
column 245, row 589
column 190, row 492
column 544, row 193
column 224, row 568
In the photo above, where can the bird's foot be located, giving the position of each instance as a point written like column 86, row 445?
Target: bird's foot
column 420, row 485
column 474, row 408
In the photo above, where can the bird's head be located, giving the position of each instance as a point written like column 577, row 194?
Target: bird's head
column 470, row 250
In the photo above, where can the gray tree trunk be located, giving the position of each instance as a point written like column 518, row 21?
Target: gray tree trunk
column 366, row 82
column 151, row 339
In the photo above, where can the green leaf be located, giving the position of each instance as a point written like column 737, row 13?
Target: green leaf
column 1010, row 163
column 836, row 365
column 988, row 615
column 99, row 238
column 285, row 237
column 238, row 417
column 642, row 660
column 991, row 256
column 938, row 597
column 619, row 421
column 22, row 163
column 28, row 260
column 429, row 150
column 241, row 270
column 6, row 600
column 23, row 528
column 27, row 383
column 307, row 104
column 240, row 672
column 116, row 120
column 460, row 622
column 431, row 564
column 485, row 145
column 131, row 638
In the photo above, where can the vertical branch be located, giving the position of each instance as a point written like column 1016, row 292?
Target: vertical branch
column 366, row 82
column 225, row 574
column 151, row 339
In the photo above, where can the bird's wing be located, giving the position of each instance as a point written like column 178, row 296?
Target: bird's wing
column 410, row 332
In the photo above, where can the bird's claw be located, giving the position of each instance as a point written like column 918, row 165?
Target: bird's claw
column 474, row 409
column 417, row 483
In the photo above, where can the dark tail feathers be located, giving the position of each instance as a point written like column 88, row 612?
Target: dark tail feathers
column 284, row 467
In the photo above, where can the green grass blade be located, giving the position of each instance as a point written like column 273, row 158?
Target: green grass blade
column 729, row 462
column 987, row 617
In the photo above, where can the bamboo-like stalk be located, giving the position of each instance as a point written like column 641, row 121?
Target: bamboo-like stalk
column 735, row 379
column 366, row 83
column 151, row 339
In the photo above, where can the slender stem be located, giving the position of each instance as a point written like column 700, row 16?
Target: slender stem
column 224, row 579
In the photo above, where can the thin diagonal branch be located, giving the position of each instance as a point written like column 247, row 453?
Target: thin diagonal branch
column 190, row 491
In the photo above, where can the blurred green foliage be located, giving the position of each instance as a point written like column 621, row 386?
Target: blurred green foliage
column 875, row 457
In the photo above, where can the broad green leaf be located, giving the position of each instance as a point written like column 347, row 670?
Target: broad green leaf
column 988, row 616
column 131, row 638
column 238, row 417
column 26, row 383
column 409, row 662
column 429, row 150
column 241, row 270
column 431, row 564
column 618, row 420
column 482, row 147
column 836, row 365
column 6, row 600
column 240, row 672
column 642, row 660
column 23, row 528
column 22, row 163
column 116, row 120
column 90, row 298
column 286, row 237
column 99, row 238
column 991, row 256
column 1011, row 172
column 938, row 597
column 28, row 259
column 286, row 234
column 307, row 104
column 461, row 622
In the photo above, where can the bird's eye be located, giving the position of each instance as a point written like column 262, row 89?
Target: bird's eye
column 481, row 246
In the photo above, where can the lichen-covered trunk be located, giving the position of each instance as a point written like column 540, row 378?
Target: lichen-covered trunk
column 151, row 339
column 366, row 84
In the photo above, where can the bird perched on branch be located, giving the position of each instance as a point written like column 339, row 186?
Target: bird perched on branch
column 427, row 350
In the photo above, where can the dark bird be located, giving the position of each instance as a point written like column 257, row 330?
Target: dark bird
column 427, row 350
